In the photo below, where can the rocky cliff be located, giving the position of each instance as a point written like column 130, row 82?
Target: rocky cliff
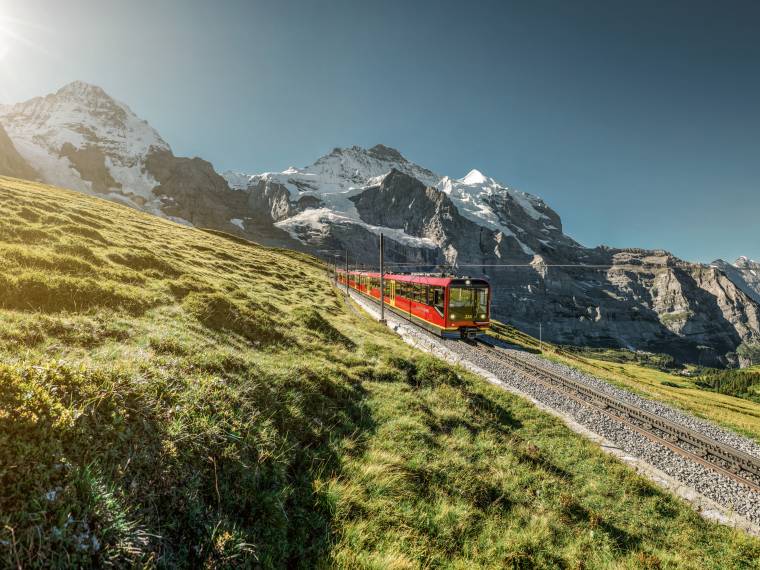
column 745, row 273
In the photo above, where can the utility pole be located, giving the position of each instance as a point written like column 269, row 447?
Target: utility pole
column 346, row 272
column 382, row 278
column 541, row 335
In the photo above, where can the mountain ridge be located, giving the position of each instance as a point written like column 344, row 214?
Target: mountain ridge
column 79, row 137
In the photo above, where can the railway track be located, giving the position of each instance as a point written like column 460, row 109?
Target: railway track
column 732, row 463
column 681, row 440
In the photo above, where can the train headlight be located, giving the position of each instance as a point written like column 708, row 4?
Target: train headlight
column 482, row 316
column 453, row 317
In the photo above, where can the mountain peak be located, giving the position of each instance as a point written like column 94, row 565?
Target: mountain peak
column 474, row 177
column 378, row 152
column 82, row 89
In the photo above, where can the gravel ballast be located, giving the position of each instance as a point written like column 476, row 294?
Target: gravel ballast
column 727, row 501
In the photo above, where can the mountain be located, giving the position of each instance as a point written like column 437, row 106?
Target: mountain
column 81, row 138
column 544, row 281
column 744, row 272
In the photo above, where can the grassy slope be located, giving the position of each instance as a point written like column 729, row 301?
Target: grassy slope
column 739, row 414
column 173, row 397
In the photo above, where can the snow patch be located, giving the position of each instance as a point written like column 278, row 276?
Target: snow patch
column 316, row 223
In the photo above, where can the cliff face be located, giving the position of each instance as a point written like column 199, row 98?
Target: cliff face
column 744, row 273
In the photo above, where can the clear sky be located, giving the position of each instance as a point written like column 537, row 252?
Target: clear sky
column 639, row 122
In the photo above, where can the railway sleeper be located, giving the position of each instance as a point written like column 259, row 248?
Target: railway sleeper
column 706, row 448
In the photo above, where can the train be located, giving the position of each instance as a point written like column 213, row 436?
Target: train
column 450, row 307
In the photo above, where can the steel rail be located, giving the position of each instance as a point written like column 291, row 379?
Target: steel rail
column 674, row 434
column 673, row 437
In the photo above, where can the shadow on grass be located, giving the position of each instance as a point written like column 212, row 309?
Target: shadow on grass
column 574, row 512
column 229, row 475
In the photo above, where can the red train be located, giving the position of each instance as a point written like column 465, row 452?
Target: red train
column 452, row 307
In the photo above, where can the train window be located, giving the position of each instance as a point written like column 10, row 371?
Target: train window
column 481, row 310
column 468, row 303
column 437, row 298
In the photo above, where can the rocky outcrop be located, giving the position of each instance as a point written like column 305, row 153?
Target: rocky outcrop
column 11, row 162
column 402, row 202
column 744, row 273
column 90, row 163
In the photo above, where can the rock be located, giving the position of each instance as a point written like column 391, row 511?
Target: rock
column 11, row 162
column 745, row 274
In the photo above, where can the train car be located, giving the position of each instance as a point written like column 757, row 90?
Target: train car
column 451, row 307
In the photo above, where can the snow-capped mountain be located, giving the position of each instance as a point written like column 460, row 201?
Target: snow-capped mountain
column 81, row 138
column 491, row 204
column 325, row 193
column 321, row 194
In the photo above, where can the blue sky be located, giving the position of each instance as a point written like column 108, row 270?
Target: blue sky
column 639, row 122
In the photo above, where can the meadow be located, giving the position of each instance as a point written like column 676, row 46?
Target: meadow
column 171, row 397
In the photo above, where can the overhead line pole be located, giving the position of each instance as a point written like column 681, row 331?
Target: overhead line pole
column 382, row 278
column 346, row 272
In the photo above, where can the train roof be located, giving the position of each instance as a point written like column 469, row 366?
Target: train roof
column 426, row 279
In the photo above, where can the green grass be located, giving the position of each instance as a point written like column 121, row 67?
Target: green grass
column 172, row 397
column 663, row 362
column 643, row 375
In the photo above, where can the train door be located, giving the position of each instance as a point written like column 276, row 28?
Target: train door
column 392, row 292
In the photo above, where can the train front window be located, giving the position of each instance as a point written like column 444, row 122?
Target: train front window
column 468, row 303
